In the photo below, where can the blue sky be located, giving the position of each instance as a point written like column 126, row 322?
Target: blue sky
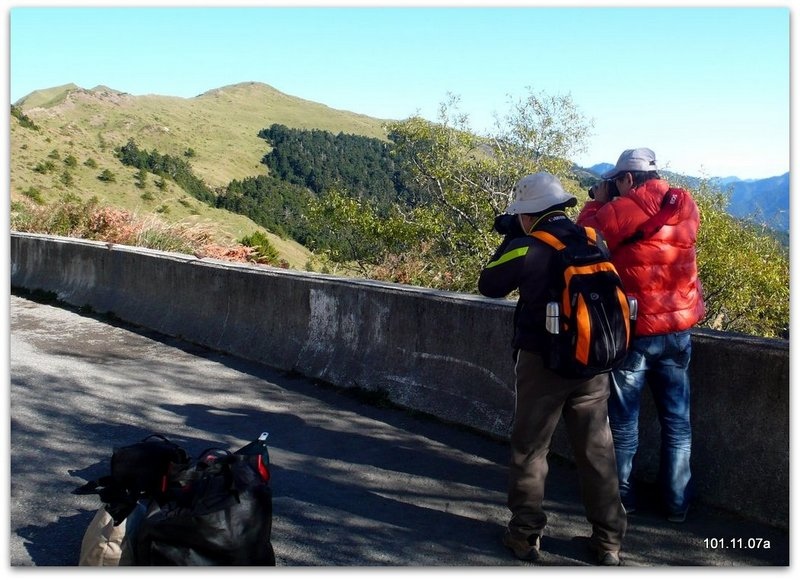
column 708, row 89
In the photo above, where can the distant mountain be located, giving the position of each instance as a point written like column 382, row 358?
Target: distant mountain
column 219, row 128
column 762, row 201
column 600, row 168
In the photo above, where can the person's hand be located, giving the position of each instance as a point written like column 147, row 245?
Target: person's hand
column 600, row 192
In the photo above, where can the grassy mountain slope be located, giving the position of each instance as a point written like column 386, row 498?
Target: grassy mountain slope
column 220, row 126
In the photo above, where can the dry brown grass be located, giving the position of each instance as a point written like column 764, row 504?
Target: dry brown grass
column 72, row 217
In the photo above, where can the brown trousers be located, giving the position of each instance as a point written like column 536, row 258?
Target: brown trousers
column 543, row 397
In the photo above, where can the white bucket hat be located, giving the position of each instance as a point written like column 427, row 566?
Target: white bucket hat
column 641, row 159
column 537, row 192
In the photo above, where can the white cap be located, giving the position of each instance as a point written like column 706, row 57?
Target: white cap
column 537, row 192
column 641, row 159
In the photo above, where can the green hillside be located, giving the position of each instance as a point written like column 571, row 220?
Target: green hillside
column 220, row 127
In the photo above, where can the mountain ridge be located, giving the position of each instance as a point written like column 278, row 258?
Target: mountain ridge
column 227, row 146
column 763, row 201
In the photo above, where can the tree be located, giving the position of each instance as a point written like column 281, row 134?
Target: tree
column 320, row 161
column 141, row 178
column 744, row 271
column 463, row 181
column 165, row 166
column 354, row 232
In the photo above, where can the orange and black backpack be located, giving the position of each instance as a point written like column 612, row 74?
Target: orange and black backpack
column 590, row 318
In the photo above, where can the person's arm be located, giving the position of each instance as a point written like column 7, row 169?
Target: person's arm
column 501, row 275
column 610, row 219
column 588, row 213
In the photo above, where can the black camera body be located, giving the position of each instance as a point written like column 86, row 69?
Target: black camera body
column 611, row 185
column 507, row 224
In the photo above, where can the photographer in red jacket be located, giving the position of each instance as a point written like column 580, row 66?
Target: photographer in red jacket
column 651, row 231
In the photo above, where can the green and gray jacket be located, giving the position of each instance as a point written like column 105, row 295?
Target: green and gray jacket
column 526, row 264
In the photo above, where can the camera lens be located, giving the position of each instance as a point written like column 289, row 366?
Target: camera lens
column 508, row 225
column 503, row 223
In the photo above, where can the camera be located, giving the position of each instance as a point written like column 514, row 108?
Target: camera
column 507, row 224
column 611, row 186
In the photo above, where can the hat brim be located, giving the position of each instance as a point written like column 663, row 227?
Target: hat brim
column 635, row 165
column 536, row 206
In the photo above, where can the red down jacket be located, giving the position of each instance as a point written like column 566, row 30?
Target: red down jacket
column 661, row 272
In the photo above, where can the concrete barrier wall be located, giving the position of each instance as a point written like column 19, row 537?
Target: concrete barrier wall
column 442, row 353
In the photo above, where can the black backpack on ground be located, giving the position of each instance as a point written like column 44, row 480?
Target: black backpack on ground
column 143, row 470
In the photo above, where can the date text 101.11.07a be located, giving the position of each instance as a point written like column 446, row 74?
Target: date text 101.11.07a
column 736, row 543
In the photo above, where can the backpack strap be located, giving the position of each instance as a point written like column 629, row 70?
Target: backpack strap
column 548, row 239
column 554, row 242
column 590, row 237
column 591, row 234
column 670, row 204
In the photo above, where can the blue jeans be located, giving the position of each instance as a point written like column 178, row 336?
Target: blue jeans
column 662, row 362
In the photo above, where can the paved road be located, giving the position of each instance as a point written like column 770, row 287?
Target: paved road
column 355, row 483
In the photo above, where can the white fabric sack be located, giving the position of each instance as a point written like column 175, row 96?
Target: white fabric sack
column 102, row 542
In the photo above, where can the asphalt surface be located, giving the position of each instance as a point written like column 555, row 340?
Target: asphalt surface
column 355, row 482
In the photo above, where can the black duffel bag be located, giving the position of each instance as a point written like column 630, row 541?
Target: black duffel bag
column 221, row 516
column 213, row 511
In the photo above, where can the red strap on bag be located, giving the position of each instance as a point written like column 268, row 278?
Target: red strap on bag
column 670, row 205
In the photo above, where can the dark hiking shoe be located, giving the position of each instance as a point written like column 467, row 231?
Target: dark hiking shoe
column 629, row 508
column 608, row 559
column 604, row 556
column 523, row 548
column 677, row 517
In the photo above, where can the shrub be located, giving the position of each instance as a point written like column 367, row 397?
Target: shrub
column 23, row 119
column 264, row 251
column 44, row 167
column 33, row 194
column 67, row 179
column 744, row 271
column 107, row 176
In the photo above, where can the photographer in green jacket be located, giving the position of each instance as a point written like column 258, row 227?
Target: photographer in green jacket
column 542, row 396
